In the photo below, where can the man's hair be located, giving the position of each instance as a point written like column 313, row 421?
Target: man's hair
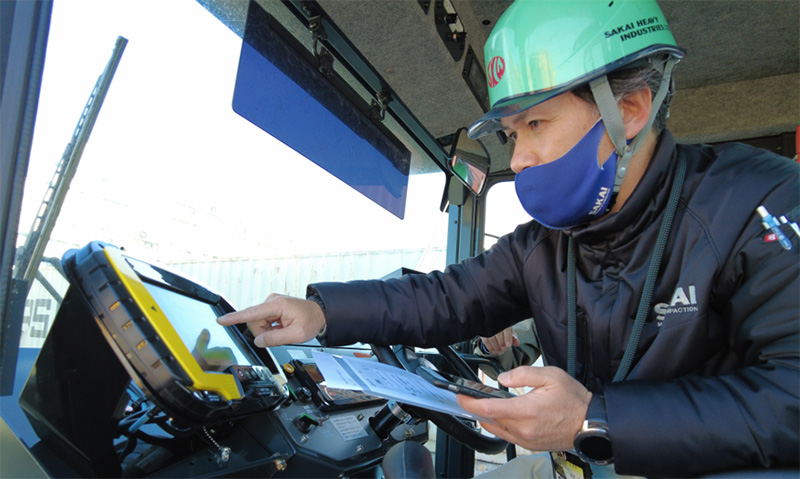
column 629, row 80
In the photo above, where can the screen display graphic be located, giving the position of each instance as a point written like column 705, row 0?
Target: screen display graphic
column 196, row 324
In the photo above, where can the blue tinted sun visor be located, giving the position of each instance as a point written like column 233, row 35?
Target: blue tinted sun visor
column 279, row 90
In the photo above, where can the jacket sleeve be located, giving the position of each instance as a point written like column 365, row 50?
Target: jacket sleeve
column 480, row 296
column 747, row 418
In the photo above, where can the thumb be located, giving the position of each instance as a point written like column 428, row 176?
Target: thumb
column 525, row 376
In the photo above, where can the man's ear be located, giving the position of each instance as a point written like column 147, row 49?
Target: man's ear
column 635, row 109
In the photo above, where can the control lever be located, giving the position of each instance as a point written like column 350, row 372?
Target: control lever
column 388, row 418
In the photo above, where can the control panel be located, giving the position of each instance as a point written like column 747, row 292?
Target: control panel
column 333, row 423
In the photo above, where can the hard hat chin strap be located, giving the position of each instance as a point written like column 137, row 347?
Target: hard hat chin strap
column 607, row 104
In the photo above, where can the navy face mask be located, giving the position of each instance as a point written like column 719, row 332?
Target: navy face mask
column 571, row 190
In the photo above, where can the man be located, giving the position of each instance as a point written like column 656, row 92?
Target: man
column 667, row 313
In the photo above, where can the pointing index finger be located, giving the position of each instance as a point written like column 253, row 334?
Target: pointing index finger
column 246, row 315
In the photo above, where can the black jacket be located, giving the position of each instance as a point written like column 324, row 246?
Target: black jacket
column 715, row 382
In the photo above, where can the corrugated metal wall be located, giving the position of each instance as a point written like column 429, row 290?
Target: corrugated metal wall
column 249, row 281
column 244, row 282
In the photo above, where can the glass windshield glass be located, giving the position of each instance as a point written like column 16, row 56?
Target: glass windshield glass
column 503, row 212
column 173, row 175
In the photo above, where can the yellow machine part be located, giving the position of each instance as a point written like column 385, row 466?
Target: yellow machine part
column 223, row 384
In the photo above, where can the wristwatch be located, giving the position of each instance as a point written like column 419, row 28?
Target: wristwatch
column 592, row 443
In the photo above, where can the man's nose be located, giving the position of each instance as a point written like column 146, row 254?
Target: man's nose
column 521, row 157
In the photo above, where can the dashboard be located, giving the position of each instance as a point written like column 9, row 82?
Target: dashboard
column 137, row 379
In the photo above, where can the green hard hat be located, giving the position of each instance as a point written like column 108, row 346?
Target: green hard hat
column 542, row 48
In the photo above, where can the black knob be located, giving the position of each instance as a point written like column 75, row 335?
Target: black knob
column 304, row 394
column 304, row 422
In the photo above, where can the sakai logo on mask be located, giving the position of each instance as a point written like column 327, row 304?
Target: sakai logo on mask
column 684, row 300
column 601, row 201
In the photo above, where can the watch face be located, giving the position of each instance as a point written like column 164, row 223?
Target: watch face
column 593, row 444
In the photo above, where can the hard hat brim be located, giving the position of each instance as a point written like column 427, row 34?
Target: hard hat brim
column 490, row 122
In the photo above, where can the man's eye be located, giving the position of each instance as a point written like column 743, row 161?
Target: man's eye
column 512, row 136
column 533, row 124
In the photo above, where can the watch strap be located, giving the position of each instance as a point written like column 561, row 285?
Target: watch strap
column 597, row 409
column 314, row 296
column 593, row 442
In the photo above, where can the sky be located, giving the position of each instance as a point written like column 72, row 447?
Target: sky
column 171, row 169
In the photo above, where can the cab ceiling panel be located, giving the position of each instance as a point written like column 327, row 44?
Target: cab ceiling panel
column 402, row 43
column 734, row 40
column 742, row 57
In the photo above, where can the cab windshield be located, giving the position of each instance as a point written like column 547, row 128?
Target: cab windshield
column 173, row 175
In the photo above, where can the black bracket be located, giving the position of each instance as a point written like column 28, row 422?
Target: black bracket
column 323, row 56
column 380, row 104
column 450, row 28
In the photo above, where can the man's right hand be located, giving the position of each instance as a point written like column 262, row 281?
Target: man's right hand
column 279, row 320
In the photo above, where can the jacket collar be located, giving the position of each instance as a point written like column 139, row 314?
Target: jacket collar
column 644, row 204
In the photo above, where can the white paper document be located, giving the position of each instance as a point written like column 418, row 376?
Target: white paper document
column 378, row 379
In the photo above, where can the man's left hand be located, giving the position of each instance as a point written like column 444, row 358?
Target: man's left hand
column 545, row 419
column 501, row 342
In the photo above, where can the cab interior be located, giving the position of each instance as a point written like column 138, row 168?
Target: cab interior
column 240, row 148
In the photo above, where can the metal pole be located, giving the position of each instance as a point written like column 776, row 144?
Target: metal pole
column 30, row 255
